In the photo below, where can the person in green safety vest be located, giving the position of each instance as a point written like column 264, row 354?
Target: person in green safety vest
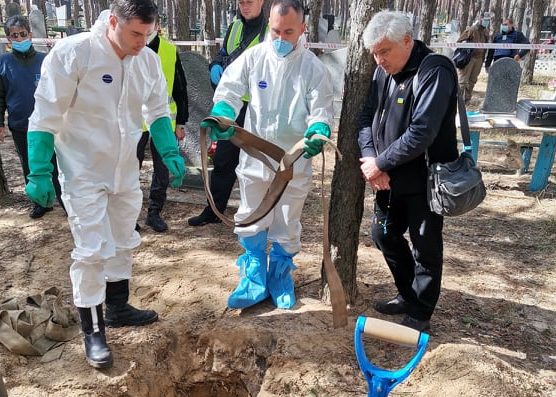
column 245, row 32
column 179, row 112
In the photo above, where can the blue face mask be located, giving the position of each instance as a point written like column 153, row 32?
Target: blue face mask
column 282, row 47
column 21, row 46
column 504, row 28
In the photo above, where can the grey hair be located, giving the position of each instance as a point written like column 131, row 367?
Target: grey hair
column 391, row 25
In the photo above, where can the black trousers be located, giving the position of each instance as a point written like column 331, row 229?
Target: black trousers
column 161, row 175
column 417, row 270
column 20, row 140
column 225, row 161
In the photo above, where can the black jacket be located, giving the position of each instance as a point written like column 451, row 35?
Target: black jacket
column 411, row 123
column 179, row 90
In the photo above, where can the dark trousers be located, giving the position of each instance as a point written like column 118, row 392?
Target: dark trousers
column 417, row 271
column 161, row 175
column 225, row 161
column 20, row 140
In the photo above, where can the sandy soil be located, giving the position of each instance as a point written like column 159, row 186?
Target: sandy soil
column 493, row 333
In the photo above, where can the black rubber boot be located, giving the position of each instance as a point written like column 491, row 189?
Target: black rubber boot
column 206, row 217
column 155, row 221
column 38, row 211
column 97, row 352
column 119, row 313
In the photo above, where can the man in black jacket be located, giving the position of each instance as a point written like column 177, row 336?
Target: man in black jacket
column 398, row 127
column 246, row 31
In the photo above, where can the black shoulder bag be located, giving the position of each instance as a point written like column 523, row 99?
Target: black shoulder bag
column 457, row 187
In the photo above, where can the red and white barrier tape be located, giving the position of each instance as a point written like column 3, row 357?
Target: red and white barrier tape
column 335, row 46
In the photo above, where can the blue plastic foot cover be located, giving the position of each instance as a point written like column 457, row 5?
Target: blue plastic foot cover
column 253, row 267
column 280, row 280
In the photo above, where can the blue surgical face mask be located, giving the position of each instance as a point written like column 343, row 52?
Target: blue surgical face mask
column 282, row 47
column 21, row 46
column 504, row 28
column 485, row 23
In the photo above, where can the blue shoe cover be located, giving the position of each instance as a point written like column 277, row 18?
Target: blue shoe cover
column 252, row 264
column 280, row 281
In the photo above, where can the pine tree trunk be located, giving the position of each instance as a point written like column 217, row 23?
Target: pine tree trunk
column 348, row 187
column 506, row 8
column 182, row 19
column 426, row 17
column 314, row 17
column 75, row 12
column 496, row 20
column 464, row 12
column 519, row 14
column 193, row 15
column 217, row 4
column 171, row 19
column 207, row 27
column 87, row 13
column 536, row 22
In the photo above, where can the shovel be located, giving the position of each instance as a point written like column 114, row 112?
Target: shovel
column 382, row 381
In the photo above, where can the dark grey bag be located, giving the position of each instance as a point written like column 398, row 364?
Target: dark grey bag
column 457, row 187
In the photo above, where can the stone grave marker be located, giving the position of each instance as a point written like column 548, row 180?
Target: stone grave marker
column 502, row 87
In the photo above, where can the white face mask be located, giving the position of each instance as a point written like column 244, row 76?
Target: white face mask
column 152, row 36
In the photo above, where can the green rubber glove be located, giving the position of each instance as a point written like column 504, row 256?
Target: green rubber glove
column 165, row 143
column 220, row 109
column 314, row 146
column 40, row 149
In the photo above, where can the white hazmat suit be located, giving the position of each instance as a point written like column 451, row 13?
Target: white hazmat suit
column 93, row 103
column 287, row 94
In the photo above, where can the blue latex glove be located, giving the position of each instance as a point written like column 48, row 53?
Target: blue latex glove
column 314, row 146
column 40, row 148
column 165, row 143
column 220, row 109
column 215, row 73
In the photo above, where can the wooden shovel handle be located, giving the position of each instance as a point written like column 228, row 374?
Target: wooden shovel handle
column 391, row 332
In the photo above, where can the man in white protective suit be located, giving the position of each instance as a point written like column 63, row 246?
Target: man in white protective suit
column 291, row 98
column 95, row 90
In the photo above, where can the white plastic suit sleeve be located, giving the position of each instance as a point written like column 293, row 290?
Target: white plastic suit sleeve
column 56, row 89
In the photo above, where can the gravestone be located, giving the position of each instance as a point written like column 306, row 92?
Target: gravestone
column 13, row 9
column 502, row 87
column 38, row 27
column 199, row 94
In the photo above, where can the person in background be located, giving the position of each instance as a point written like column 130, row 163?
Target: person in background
column 477, row 33
column 177, row 97
column 95, row 90
column 290, row 98
column 398, row 127
column 20, row 71
column 245, row 32
column 507, row 35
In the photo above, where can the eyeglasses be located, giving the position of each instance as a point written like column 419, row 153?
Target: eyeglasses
column 21, row 34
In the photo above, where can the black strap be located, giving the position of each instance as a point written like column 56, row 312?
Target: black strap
column 244, row 43
column 462, row 112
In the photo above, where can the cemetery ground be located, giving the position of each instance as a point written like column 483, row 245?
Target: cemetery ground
column 493, row 333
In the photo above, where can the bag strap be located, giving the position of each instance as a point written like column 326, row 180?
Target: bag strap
column 244, row 44
column 462, row 112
